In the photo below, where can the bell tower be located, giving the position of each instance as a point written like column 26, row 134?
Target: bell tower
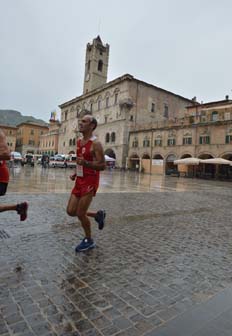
column 96, row 65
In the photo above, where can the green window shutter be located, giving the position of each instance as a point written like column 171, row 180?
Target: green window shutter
column 200, row 140
column 227, row 139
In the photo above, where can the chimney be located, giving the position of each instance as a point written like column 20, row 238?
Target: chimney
column 227, row 97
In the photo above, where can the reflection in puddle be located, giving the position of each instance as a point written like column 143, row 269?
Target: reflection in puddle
column 40, row 180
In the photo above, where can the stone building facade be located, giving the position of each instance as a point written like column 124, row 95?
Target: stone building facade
column 49, row 141
column 204, row 132
column 119, row 106
column 28, row 137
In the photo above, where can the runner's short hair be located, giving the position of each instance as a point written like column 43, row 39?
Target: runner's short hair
column 92, row 119
column 94, row 122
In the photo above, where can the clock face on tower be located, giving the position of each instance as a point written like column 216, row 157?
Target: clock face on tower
column 87, row 77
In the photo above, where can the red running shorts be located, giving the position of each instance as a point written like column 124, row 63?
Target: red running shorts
column 85, row 185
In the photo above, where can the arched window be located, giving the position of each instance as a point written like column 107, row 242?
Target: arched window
column 116, row 98
column 113, row 137
column 74, row 142
column 84, row 107
column 107, row 137
column 100, row 65
column 78, row 111
column 70, row 142
column 89, row 65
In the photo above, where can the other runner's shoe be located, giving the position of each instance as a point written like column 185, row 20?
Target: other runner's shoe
column 100, row 218
column 22, row 210
column 86, row 244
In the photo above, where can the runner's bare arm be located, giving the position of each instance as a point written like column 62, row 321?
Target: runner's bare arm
column 100, row 163
column 4, row 149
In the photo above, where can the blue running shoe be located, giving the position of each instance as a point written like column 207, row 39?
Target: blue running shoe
column 100, row 218
column 86, row 244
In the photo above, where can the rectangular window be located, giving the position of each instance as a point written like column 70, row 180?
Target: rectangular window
column 214, row 116
column 187, row 141
column 152, row 107
column 165, row 111
column 32, row 131
column 228, row 139
column 227, row 116
column 171, row 142
column 204, row 140
column 135, row 143
column 158, row 142
column 203, row 118
column 146, row 143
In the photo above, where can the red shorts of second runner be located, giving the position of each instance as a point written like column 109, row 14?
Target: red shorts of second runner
column 85, row 185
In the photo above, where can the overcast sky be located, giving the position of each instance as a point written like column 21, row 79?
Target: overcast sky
column 183, row 46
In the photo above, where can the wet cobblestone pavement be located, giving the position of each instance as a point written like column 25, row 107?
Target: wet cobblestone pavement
column 159, row 255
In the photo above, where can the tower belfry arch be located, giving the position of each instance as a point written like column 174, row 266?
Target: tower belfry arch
column 96, row 65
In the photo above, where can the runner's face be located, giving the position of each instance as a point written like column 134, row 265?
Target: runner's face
column 85, row 125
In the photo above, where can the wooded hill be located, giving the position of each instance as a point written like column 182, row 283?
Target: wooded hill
column 13, row 118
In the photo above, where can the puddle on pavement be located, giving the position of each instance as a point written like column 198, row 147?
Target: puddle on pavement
column 56, row 180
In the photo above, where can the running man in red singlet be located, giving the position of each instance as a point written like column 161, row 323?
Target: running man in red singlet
column 21, row 208
column 90, row 161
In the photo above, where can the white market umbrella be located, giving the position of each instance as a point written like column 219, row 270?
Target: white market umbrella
column 188, row 161
column 217, row 161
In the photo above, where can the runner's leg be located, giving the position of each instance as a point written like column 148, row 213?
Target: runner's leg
column 91, row 214
column 82, row 208
column 7, row 207
column 72, row 205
